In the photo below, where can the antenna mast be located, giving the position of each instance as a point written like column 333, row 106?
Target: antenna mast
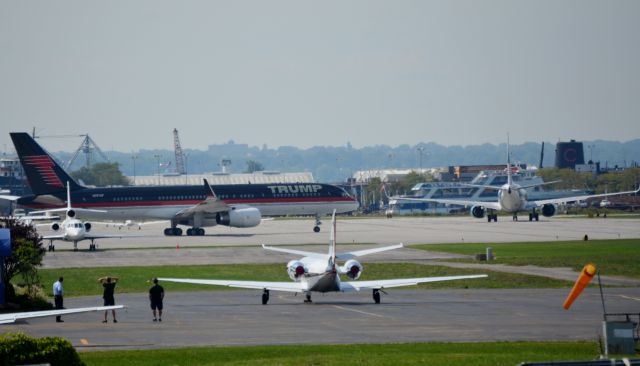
column 87, row 147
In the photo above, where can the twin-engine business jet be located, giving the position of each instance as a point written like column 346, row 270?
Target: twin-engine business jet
column 238, row 205
column 13, row 317
column 317, row 272
column 512, row 198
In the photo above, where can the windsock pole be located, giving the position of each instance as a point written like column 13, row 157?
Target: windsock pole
column 583, row 280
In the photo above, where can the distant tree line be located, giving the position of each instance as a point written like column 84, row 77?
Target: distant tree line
column 336, row 163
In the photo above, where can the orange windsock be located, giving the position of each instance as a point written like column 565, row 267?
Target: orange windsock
column 585, row 277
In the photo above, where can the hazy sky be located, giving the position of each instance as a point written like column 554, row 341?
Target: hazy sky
column 326, row 72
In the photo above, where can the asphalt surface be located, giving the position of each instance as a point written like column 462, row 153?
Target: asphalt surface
column 238, row 318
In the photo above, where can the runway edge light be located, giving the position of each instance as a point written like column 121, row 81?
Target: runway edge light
column 583, row 280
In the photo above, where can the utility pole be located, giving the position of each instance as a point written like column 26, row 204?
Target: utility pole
column 133, row 158
column 158, row 156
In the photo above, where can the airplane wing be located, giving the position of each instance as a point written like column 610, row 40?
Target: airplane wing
column 293, row 251
column 11, row 318
column 86, row 237
column 360, row 253
column 128, row 224
column 256, row 285
column 103, row 236
column 54, row 237
column 210, row 205
column 9, row 197
column 540, row 203
column 486, row 204
column 382, row 284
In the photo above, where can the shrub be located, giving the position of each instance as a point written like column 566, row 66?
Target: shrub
column 19, row 349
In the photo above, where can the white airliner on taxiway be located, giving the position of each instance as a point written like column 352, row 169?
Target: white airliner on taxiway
column 13, row 317
column 317, row 272
column 73, row 229
column 512, row 198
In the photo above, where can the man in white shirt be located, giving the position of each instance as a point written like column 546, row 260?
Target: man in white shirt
column 58, row 292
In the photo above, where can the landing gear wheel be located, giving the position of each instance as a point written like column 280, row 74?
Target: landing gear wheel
column 168, row 232
column 265, row 297
column 376, row 296
column 316, row 229
column 536, row 216
column 176, row 231
column 189, row 232
column 530, row 217
column 307, row 299
column 199, row 231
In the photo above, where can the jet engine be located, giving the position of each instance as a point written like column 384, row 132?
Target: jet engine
column 87, row 226
column 239, row 217
column 352, row 268
column 548, row 210
column 296, row 269
column 477, row 212
column 55, row 226
column 71, row 213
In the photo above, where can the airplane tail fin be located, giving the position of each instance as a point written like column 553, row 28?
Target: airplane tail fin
column 43, row 173
column 509, row 172
column 332, row 241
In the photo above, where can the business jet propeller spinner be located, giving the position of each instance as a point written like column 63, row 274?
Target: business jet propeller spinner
column 317, row 272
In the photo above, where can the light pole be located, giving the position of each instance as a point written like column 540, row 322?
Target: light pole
column 421, row 150
column 133, row 158
column 186, row 171
column 157, row 156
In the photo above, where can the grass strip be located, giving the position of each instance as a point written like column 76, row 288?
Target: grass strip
column 618, row 257
column 83, row 281
column 442, row 354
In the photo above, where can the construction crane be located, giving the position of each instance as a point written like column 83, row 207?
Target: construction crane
column 179, row 155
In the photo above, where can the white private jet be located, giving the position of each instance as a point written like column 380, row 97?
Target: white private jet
column 13, row 317
column 73, row 229
column 512, row 198
column 130, row 223
column 317, row 272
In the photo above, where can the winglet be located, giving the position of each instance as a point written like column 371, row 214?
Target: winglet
column 209, row 189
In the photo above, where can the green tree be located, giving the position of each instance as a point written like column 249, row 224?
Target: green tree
column 404, row 185
column 568, row 178
column 26, row 255
column 101, row 175
column 254, row 166
column 373, row 191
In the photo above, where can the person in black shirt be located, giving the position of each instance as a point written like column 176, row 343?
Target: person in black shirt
column 109, row 284
column 156, row 295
